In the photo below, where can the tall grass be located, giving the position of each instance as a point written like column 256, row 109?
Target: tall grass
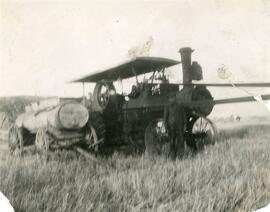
column 233, row 175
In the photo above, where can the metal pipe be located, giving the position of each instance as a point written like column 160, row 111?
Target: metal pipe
column 186, row 64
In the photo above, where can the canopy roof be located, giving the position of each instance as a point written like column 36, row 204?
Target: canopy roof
column 137, row 66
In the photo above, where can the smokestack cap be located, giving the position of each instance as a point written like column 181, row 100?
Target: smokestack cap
column 186, row 49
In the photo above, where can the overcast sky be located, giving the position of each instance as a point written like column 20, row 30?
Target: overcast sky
column 45, row 44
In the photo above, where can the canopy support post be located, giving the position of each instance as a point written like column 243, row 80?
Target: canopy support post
column 134, row 72
column 84, row 98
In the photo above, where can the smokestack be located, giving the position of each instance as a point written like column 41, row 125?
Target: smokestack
column 186, row 64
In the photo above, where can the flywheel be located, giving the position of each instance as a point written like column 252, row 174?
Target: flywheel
column 104, row 93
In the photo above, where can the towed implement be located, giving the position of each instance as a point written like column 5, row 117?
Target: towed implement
column 54, row 125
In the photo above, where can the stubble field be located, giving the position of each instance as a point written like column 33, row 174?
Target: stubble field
column 232, row 175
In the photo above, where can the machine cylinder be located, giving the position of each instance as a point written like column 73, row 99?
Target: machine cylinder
column 67, row 115
column 201, row 93
column 71, row 115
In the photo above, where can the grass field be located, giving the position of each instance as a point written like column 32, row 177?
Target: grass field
column 233, row 175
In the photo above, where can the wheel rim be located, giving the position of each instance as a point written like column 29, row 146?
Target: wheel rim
column 203, row 132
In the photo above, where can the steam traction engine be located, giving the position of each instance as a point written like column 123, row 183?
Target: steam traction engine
column 126, row 117
column 52, row 124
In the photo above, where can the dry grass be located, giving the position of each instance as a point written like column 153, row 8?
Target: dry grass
column 233, row 175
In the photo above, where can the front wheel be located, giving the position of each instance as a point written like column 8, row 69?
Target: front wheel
column 201, row 132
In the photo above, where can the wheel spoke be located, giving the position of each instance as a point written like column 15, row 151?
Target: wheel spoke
column 91, row 136
column 206, row 123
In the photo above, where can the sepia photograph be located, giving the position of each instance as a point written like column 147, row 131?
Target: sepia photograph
column 134, row 106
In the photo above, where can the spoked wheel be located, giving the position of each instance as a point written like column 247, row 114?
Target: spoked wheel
column 92, row 139
column 95, row 132
column 156, row 139
column 15, row 139
column 202, row 132
column 43, row 141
